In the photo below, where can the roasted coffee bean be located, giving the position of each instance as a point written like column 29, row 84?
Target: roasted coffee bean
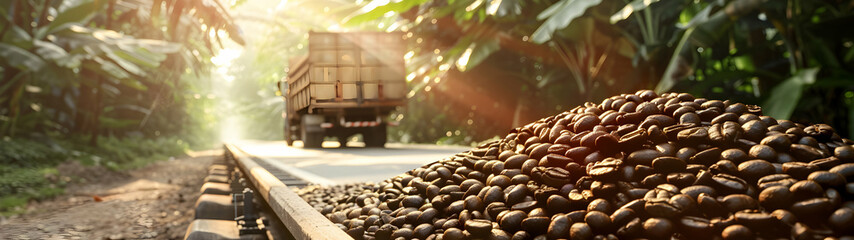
column 763, row 152
column 695, row 226
column 580, row 231
column 842, row 220
column 737, row 232
column 846, row 170
column 729, row 184
column 601, row 205
column 799, row 170
column 706, row 157
column 558, row 227
column 735, row 155
column 827, row 179
column 815, row 208
column 625, row 168
column 738, row 202
column 512, row 221
column 775, row 197
column 605, row 170
column 752, row 170
column 696, row 190
column 661, row 207
column 754, row 130
column 806, row 189
column 668, row 164
column 658, row 228
column 643, row 157
column 779, row 142
column 535, row 225
column 804, row 153
column 844, row 153
column 478, row 227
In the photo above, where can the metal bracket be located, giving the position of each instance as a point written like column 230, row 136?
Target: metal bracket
column 248, row 222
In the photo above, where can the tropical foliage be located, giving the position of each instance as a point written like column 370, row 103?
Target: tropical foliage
column 127, row 71
column 527, row 59
column 104, row 67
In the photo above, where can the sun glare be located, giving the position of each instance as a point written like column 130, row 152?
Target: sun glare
column 223, row 61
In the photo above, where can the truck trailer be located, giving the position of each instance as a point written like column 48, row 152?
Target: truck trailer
column 347, row 84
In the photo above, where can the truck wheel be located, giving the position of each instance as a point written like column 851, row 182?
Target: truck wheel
column 312, row 139
column 311, row 132
column 289, row 140
column 376, row 137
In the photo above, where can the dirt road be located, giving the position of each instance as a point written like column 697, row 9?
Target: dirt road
column 154, row 202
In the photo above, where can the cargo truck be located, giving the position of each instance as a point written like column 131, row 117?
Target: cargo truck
column 347, row 84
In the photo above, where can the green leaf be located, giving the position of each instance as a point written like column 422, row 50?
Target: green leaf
column 785, row 96
column 374, row 11
column 50, row 51
column 560, row 15
column 124, row 63
column 80, row 13
column 676, row 67
column 630, row 9
column 20, row 58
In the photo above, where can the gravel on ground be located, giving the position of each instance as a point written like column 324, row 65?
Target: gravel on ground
column 153, row 202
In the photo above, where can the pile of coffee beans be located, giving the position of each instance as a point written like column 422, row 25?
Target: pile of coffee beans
column 634, row 166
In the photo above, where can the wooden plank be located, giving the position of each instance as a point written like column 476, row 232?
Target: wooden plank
column 298, row 217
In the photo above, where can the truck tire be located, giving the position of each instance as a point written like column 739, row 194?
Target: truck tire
column 311, row 132
column 289, row 140
column 312, row 139
column 376, row 137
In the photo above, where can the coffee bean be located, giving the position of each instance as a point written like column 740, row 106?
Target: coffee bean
column 605, row 170
column 779, row 142
column 580, row 231
column 763, row 152
column 558, row 227
column 735, row 155
column 662, row 208
column 799, row 170
column 478, row 227
column 775, row 197
column 737, row 232
column 754, row 130
column 453, row 234
column 706, row 157
column 717, row 172
column 535, row 225
column 643, row 157
column 844, row 153
column 512, row 221
column 806, row 189
column 695, row 226
column 827, row 179
column 804, row 152
column 752, row 170
column 728, row 184
column 846, row 170
column 842, row 220
column 738, row 202
column 402, row 233
column 696, row 190
column 600, row 205
column 658, row 228
column 557, row 204
column 693, row 136
column 815, row 208
column 668, row 164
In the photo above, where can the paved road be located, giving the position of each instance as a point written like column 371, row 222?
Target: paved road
column 355, row 163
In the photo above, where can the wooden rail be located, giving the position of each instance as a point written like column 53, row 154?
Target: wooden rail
column 299, row 218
